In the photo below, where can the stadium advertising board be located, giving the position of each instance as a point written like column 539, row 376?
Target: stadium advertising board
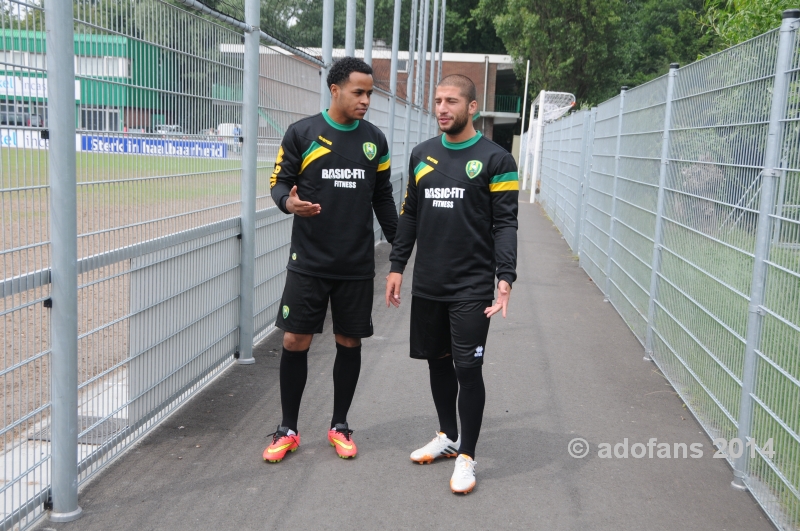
column 153, row 146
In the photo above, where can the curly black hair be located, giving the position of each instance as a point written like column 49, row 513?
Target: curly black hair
column 341, row 70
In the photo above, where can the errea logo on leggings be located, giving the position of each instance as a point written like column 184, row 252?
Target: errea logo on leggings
column 479, row 352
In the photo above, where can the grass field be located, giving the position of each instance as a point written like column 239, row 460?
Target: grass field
column 121, row 200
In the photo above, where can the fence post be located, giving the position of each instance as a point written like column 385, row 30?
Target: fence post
column 422, row 63
column 327, row 54
column 769, row 176
column 63, row 268
column 398, row 4
column 441, row 40
column 587, row 118
column 556, row 178
column 393, row 74
column 410, row 81
column 369, row 20
column 431, row 82
column 369, row 23
column 350, row 29
column 249, row 164
column 587, row 174
column 655, row 264
column 614, row 195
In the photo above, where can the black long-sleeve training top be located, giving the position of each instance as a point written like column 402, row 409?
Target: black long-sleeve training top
column 461, row 209
column 346, row 169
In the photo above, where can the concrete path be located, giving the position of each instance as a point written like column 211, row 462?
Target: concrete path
column 562, row 365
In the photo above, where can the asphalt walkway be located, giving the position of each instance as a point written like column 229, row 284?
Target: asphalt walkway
column 562, row 365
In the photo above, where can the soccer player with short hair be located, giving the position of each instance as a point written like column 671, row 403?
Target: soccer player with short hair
column 461, row 210
column 332, row 171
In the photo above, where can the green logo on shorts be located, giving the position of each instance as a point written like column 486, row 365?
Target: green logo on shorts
column 474, row 167
column 370, row 150
column 294, row 256
column 285, row 312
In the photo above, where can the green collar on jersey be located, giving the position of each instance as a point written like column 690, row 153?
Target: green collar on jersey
column 337, row 125
column 461, row 145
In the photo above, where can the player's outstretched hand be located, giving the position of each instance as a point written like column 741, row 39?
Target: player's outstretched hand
column 393, row 283
column 503, row 294
column 304, row 209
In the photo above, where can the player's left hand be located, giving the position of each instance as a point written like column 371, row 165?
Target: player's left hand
column 503, row 294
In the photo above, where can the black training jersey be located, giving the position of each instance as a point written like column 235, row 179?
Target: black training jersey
column 461, row 208
column 344, row 168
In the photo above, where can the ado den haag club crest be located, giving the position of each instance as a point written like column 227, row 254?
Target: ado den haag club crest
column 370, row 150
column 474, row 167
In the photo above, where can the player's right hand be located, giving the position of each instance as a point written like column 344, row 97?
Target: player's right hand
column 393, row 283
column 301, row 208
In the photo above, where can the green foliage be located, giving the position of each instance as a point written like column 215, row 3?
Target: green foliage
column 467, row 32
column 591, row 47
column 735, row 21
column 572, row 44
column 663, row 32
column 299, row 23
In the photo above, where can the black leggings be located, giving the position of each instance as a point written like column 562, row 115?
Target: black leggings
column 446, row 379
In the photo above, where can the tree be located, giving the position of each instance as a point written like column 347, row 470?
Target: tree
column 573, row 45
column 466, row 30
column 299, row 23
column 663, row 32
column 735, row 21
column 592, row 47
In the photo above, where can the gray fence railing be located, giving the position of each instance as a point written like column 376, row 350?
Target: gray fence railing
column 141, row 251
column 681, row 198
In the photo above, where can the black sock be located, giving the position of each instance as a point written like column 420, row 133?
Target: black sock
column 345, row 378
column 444, row 388
column 294, row 370
column 471, row 399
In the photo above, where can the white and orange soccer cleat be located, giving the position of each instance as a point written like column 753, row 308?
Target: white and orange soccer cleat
column 440, row 446
column 463, row 478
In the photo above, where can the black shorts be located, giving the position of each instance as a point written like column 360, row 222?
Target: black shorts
column 459, row 328
column 305, row 302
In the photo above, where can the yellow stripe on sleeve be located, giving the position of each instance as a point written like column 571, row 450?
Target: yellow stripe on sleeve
column 507, row 186
column 314, row 155
column 422, row 173
column 384, row 165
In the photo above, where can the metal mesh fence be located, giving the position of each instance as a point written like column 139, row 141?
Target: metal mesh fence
column 25, row 249
column 688, row 222
column 160, row 148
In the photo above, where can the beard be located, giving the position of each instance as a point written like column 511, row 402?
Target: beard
column 460, row 121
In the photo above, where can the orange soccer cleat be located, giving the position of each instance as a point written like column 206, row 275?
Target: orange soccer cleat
column 339, row 437
column 282, row 442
